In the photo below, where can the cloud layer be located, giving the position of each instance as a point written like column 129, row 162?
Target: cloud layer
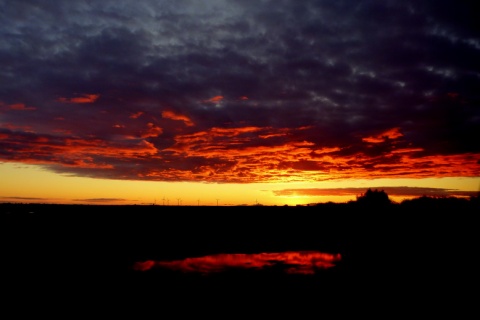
column 241, row 91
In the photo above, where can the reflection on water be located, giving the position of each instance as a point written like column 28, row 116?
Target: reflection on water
column 292, row 262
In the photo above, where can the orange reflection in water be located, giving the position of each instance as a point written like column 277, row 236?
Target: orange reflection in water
column 294, row 262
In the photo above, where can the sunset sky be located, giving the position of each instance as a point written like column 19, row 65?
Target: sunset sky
column 237, row 102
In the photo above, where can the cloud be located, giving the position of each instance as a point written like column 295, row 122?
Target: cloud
column 171, row 115
column 16, row 106
column 85, row 98
column 399, row 191
column 102, row 200
column 23, row 198
column 241, row 91
column 389, row 134
column 214, row 99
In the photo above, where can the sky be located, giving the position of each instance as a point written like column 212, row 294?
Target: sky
column 237, row 102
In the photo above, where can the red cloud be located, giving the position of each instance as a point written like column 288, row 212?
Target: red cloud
column 152, row 131
column 85, row 98
column 214, row 99
column 136, row 115
column 173, row 116
column 75, row 152
column 235, row 155
column 391, row 134
column 20, row 106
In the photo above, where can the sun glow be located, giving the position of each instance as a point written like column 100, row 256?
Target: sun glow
column 31, row 183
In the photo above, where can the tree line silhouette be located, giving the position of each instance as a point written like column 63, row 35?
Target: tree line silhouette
column 374, row 198
column 371, row 198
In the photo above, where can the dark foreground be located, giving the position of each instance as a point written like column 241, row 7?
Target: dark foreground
column 392, row 260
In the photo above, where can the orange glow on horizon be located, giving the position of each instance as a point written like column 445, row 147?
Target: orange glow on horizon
column 33, row 183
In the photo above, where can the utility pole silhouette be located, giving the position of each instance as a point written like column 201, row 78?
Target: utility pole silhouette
column 178, row 201
column 217, row 202
column 198, row 202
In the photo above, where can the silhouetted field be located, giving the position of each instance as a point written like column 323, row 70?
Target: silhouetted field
column 396, row 255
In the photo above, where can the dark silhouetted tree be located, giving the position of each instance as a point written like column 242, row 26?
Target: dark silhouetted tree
column 374, row 198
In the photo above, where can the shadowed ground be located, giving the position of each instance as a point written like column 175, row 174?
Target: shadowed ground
column 389, row 256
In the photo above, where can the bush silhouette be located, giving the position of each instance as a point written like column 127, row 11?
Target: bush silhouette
column 374, row 198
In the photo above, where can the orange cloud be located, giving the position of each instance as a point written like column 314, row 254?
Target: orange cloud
column 103, row 148
column 214, row 99
column 152, row 131
column 241, row 157
column 235, row 155
column 407, row 150
column 391, row 134
column 85, row 98
column 173, row 116
column 75, row 152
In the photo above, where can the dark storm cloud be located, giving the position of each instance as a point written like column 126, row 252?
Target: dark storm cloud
column 151, row 82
